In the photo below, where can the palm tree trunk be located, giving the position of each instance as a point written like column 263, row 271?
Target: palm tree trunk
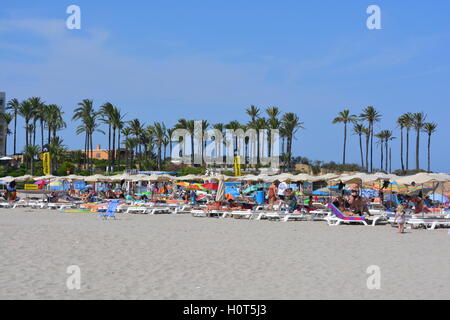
column 345, row 142
column 92, row 151
column 401, row 148
column 387, row 158
column 407, row 149
column 113, row 156
column 367, row 152
column 381, row 147
column 429, row 152
column 118, row 148
column 109, row 145
column 15, row 131
column 26, row 133
column 417, row 149
column 42, row 134
column 361, row 151
column 371, row 147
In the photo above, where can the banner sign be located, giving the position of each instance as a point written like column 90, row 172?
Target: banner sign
column 31, row 187
column 46, row 163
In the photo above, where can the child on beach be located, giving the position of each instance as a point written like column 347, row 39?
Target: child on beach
column 400, row 218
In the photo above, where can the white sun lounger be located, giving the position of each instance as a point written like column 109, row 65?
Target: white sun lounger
column 137, row 209
column 429, row 224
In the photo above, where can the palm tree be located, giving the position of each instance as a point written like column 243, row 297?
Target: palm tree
column 137, row 129
column 344, row 117
column 418, row 122
column 7, row 118
column 366, row 132
column 38, row 107
column 234, row 125
column 291, row 123
column 54, row 120
column 429, row 128
column 402, row 122
column 30, row 153
column 116, row 120
column 408, row 124
column 88, row 117
column 253, row 112
column 273, row 123
column 159, row 132
column 371, row 115
column 126, row 131
column 358, row 129
column 380, row 136
column 58, row 151
column 14, row 106
column 388, row 136
column 106, row 113
column 26, row 111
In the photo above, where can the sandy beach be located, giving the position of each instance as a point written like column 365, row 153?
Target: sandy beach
column 182, row 257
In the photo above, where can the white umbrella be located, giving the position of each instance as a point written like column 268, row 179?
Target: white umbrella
column 7, row 179
column 26, row 177
column 121, row 177
column 45, row 178
column 422, row 178
column 97, row 178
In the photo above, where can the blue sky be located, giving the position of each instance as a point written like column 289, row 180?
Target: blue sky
column 165, row 60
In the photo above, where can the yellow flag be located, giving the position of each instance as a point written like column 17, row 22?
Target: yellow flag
column 46, row 163
column 237, row 166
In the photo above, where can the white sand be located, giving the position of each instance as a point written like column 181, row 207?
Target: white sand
column 182, row 257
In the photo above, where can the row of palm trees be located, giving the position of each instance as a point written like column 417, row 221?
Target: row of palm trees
column 37, row 115
column 363, row 126
column 143, row 144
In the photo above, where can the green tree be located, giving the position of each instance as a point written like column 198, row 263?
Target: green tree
column 429, row 128
column 371, row 115
column 345, row 117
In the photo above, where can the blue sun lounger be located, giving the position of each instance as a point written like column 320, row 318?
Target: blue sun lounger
column 337, row 217
column 111, row 210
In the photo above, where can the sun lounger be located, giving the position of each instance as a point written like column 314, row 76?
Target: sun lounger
column 159, row 210
column 20, row 203
column 111, row 210
column 428, row 223
column 5, row 204
column 336, row 217
column 137, row 209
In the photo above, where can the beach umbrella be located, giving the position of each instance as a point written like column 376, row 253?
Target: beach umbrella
column 181, row 184
column 439, row 197
column 194, row 187
column 210, row 186
column 96, row 178
column 422, row 178
column 220, row 195
column 7, row 179
column 25, row 178
column 189, row 177
column 121, row 177
column 45, row 178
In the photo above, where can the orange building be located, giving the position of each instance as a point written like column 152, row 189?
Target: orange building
column 101, row 154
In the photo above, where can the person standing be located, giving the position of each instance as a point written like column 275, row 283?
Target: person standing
column 400, row 219
column 281, row 189
column 273, row 190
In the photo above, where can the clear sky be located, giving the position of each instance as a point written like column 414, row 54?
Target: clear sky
column 165, row 60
